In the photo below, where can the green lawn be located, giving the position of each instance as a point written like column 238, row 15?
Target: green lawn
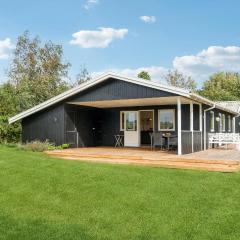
column 46, row 198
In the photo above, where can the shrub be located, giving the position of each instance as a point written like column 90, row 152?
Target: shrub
column 60, row 147
column 65, row 145
column 37, row 146
column 9, row 133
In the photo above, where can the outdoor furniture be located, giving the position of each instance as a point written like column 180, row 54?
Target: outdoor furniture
column 156, row 139
column 170, row 140
column 118, row 140
column 223, row 138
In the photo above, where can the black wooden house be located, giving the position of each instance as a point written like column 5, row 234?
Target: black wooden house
column 92, row 113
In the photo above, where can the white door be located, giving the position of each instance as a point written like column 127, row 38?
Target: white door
column 131, row 132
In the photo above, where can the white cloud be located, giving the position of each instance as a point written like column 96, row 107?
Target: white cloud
column 148, row 19
column 90, row 3
column 5, row 46
column 98, row 38
column 208, row 61
column 199, row 66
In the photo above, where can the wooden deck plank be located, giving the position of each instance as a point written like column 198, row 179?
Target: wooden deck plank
column 145, row 156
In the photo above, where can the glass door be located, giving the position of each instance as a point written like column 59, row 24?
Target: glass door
column 132, row 132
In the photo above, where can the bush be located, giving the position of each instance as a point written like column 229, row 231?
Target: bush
column 37, row 146
column 9, row 133
column 60, row 147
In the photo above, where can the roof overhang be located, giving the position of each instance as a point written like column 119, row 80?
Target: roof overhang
column 104, row 77
column 132, row 102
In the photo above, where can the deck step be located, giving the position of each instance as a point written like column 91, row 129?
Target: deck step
column 167, row 164
column 164, row 161
column 141, row 158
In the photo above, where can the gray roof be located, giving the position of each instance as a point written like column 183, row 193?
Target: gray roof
column 233, row 105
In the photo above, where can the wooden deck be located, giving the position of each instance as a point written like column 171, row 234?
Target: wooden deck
column 210, row 160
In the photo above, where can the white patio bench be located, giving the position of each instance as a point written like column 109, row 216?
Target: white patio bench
column 223, row 139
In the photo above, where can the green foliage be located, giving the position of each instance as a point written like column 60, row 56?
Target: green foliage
column 9, row 133
column 8, row 107
column 37, row 71
column 60, row 147
column 144, row 75
column 178, row 79
column 37, row 146
column 222, row 87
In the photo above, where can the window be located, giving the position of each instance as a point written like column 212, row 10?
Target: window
column 166, row 120
column 131, row 121
column 212, row 121
column 229, row 123
column 223, row 123
column 122, row 121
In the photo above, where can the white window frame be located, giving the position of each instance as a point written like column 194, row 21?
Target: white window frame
column 223, row 122
column 121, row 127
column 229, row 124
column 212, row 118
column 174, row 119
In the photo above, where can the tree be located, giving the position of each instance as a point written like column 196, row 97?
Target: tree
column 37, row 71
column 144, row 75
column 83, row 76
column 8, row 107
column 178, row 79
column 222, row 86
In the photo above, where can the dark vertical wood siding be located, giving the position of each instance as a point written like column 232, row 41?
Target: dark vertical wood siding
column 114, row 89
column 196, row 117
column 237, row 126
column 48, row 124
column 186, row 142
column 185, row 116
column 197, row 138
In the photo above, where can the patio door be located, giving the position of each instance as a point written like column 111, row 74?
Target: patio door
column 132, row 132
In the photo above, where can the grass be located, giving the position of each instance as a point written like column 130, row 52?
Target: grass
column 47, row 198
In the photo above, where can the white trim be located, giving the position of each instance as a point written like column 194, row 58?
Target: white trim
column 108, row 75
column 234, row 124
column 191, row 122
column 223, row 123
column 205, row 126
column 229, row 123
column 200, row 123
column 200, row 117
column 220, row 123
column 212, row 114
column 174, row 116
column 179, row 117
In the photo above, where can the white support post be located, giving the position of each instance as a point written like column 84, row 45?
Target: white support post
column 179, row 117
column 200, row 123
column 191, row 122
column 234, row 124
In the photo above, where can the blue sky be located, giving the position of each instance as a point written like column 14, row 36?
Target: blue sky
column 196, row 37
